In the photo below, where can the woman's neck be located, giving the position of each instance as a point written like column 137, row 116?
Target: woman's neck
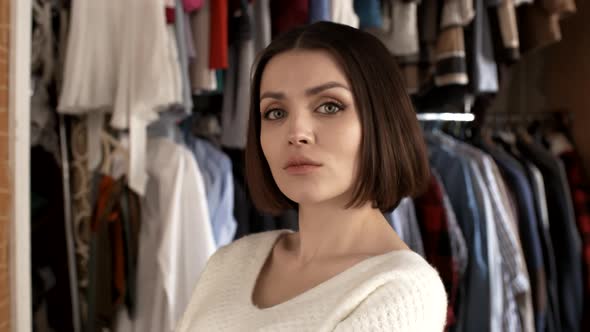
column 327, row 232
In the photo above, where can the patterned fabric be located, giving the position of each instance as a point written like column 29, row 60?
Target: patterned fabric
column 515, row 276
column 474, row 302
column 432, row 219
column 451, row 65
column 508, row 272
column 81, row 206
column 458, row 244
column 580, row 190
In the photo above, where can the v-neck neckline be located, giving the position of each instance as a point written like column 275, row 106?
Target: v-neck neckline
column 267, row 251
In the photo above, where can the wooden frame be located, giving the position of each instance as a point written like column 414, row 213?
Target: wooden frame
column 19, row 157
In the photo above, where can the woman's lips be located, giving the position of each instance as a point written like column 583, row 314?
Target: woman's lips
column 301, row 169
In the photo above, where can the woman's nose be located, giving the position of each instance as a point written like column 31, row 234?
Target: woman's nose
column 300, row 139
column 300, row 131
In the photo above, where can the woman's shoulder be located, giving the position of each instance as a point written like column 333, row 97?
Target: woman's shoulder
column 250, row 245
column 409, row 273
column 402, row 263
column 409, row 270
column 404, row 293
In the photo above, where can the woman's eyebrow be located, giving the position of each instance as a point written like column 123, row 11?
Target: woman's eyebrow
column 309, row 92
column 326, row 86
column 273, row 95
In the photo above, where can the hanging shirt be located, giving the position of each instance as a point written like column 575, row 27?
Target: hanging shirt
column 434, row 227
column 450, row 55
column 369, row 13
column 458, row 245
column 319, row 10
column 342, row 11
column 506, row 13
column 181, row 40
column 484, row 71
column 450, row 64
column 497, row 304
column 457, row 13
column 216, row 168
column 528, row 224
column 236, row 98
column 202, row 77
column 515, row 278
column 404, row 222
column 564, row 233
column 262, row 26
column 192, row 5
column 218, row 40
column 93, row 56
column 580, row 192
column 107, row 281
column 400, row 28
column 459, row 180
column 121, row 56
column 286, row 15
column 550, row 320
column 176, row 238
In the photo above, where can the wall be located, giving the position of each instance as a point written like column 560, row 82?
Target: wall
column 5, row 181
column 556, row 78
column 566, row 76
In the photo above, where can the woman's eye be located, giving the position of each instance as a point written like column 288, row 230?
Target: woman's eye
column 330, row 108
column 274, row 114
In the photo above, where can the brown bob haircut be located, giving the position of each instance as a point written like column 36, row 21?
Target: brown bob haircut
column 393, row 162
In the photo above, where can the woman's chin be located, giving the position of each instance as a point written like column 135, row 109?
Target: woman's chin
column 307, row 198
column 313, row 198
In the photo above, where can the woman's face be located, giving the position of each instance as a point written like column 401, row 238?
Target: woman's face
column 310, row 128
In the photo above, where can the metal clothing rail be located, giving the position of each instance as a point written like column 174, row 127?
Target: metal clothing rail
column 458, row 117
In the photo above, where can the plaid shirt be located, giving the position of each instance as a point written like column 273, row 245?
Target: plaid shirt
column 580, row 190
column 436, row 236
column 508, row 273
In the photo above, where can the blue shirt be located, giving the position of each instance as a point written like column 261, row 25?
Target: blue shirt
column 369, row 13
column 216, row 169
column 319, row 10
column 459, row 180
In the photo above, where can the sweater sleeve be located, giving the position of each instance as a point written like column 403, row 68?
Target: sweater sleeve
column 405, row 304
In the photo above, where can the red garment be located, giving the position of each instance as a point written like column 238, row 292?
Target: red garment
column 286, row 15
column 580, row 190
column 108, row 264
column 218, row 44
column 192, row 5
column 432, row 219
column 170, row 15
column 116, row 233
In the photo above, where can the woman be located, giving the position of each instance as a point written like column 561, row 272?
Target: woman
column 332, row 134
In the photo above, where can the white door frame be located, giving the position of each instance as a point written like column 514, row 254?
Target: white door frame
column 19, row 158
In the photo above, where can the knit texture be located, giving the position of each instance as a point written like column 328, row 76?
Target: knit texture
column 397, row 291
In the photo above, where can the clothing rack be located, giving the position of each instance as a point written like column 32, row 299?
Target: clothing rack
column 456, row 117
column 502, row 118
column 453, row 113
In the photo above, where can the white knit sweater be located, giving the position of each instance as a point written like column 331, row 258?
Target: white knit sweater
column 397, row 291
